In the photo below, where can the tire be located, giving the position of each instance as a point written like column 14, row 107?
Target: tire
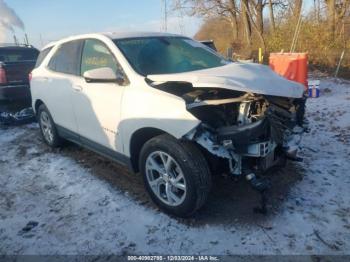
column 184, row 187
column 47, row 127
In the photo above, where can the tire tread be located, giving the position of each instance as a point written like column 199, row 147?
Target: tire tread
column 198, row 166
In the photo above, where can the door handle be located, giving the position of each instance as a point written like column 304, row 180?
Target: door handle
column 77, row 88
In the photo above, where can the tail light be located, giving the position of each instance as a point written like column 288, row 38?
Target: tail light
column 30, row 77
column 3, row 79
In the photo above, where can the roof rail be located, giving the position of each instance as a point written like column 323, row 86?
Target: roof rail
column 14, row 44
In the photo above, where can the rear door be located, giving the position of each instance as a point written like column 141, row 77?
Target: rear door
column 59, row 83
column 97, row 105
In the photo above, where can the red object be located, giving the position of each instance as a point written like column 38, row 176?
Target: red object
column 30, row 76
column 292, row 66
column 3, row 79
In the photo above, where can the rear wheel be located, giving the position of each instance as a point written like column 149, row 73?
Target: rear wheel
column 175, row 174
column 48, row 128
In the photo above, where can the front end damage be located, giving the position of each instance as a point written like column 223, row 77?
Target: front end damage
column 243, row 133
column 253, row 133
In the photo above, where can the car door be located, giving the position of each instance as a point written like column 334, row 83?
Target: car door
column 97, row 105
column 63, row 70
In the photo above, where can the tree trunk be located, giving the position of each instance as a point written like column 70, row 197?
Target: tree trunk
column 259, row 28
column 234, row 26
column 272, row 18
column 233, row 19
column 297, row 9
column 246, row 22
column 259, row 17
column 331, row 16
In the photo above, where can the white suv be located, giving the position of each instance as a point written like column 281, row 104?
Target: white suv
column 169, row 107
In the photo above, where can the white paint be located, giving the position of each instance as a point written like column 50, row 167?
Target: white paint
column 110, row 114
column 245, row 77
column 107, row 113
column 104, row 73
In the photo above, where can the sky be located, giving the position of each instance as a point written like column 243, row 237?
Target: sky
column 48, row 20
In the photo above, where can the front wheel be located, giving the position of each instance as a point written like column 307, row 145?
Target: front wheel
column 175, row 174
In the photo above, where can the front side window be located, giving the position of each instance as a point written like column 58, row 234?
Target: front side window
column 97, row 55
column 167, row 55
column 67, row 58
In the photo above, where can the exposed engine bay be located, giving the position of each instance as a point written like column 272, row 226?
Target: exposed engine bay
column 251, row 132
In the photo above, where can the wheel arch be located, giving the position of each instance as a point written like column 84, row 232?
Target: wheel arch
column 137, row 141
column 38, row 103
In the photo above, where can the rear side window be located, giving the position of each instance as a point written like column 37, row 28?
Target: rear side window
column 18, row 54
column 42, row 56
column 67, row 58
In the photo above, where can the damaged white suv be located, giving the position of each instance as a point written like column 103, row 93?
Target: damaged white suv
column 169, row 107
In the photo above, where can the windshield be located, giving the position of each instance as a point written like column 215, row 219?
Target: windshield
column 167, row 55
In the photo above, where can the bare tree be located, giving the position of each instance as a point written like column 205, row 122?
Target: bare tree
column 255, row 16
column 272, row 17
column 225, row 9
column 317, row 10
column 296, row 7
column 245, row 16
column 234, row 18
column 331, row 16
column 258, row 6
column 336, row 11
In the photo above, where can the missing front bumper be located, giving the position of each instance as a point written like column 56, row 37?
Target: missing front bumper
column 247, row 147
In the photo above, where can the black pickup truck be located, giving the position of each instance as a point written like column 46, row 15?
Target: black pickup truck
column 16, row 62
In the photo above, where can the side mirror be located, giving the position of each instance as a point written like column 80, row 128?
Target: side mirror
column 103, row 75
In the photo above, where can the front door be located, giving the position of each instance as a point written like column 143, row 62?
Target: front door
column 97, row 105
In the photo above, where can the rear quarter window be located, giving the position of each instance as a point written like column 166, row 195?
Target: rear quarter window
column 67, row 58
column 42, row 56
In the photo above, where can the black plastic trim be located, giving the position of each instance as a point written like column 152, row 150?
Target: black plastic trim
column 245, row 135
column 93, row 146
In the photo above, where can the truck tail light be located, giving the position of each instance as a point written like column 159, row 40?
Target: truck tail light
column 3, row 79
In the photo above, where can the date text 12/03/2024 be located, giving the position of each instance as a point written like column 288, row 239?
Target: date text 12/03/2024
column 173, row 258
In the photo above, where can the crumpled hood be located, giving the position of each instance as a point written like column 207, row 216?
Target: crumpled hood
column 245, row 77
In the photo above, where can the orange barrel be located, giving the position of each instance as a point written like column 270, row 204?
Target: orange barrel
column 292, row 66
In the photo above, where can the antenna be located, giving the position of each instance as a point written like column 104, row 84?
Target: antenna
column 15, row 39
column 182, row 26
column 41, row 40
column 165, row 15
column 26, row 39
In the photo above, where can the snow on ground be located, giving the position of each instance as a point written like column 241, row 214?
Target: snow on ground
column 79, row 203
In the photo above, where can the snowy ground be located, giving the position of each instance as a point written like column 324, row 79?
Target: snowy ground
column 79, row 203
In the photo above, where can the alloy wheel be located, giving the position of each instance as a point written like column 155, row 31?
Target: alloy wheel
column 166, row 179
column 46, row 126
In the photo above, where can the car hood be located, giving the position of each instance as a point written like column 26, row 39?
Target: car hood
column 245, row 77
